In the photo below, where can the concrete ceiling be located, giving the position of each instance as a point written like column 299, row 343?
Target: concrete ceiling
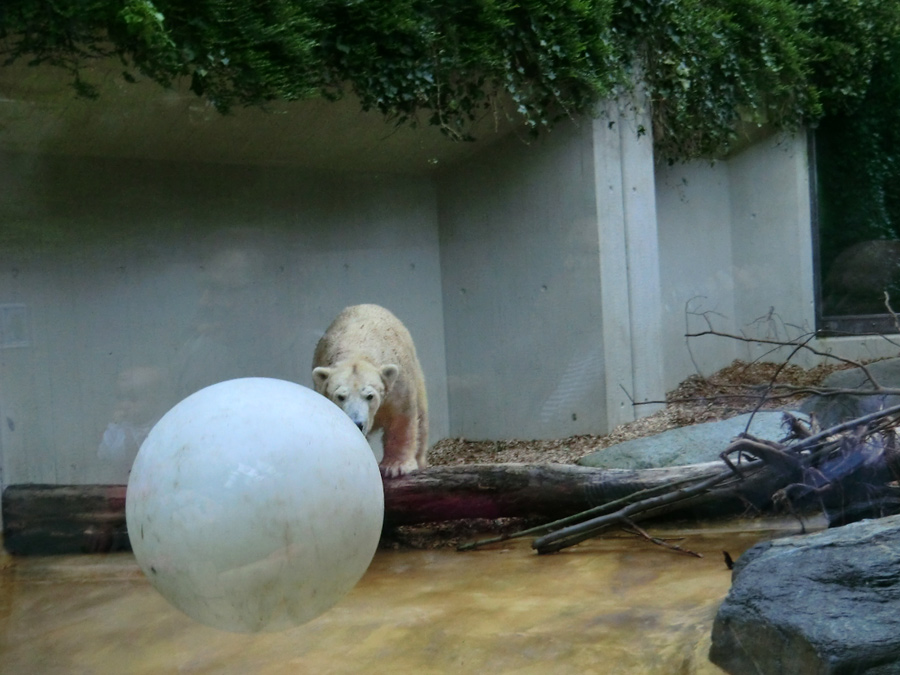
column 39, row 113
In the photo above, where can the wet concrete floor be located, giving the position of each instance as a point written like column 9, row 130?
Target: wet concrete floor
column 615, row 605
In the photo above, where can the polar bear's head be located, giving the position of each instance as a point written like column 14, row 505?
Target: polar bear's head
column 357, row 386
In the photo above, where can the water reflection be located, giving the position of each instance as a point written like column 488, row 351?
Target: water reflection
column 614, row 605
column 857, row 279
column 235, row 331
column 140, row 401
column 239, row 328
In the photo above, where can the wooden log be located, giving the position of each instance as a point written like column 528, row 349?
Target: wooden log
column 53, row 519
column 548, row 491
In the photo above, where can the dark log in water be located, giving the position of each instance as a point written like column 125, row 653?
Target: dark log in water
column 547, row 491
column 53, row 519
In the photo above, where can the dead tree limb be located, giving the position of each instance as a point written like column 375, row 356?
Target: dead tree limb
column 50, row 519
column 817, row 465
column 522, row 490
column 642, row 509
column 803, row 345
column 641, row 532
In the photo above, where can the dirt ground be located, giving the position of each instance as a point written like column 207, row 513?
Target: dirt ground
column 736, row 389
column 739, row 388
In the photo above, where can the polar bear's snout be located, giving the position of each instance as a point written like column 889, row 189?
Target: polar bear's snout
column 360, row 413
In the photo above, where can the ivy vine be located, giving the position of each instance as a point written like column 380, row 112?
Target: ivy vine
column 705, row 64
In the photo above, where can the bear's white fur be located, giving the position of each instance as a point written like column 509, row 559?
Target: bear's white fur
column 366, row 363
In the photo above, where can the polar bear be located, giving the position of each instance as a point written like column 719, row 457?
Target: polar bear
column 366, row 363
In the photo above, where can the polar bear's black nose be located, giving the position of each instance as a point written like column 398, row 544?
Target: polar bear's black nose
column 362, row 426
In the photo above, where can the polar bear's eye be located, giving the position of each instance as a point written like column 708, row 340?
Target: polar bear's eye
column 341, row 398
column 370, row 397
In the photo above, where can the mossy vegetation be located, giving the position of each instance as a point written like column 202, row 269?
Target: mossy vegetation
column 705, row 64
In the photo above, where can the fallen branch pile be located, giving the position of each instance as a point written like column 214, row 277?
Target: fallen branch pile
column 849, row 471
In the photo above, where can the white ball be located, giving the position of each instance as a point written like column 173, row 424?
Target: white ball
column 254, row 504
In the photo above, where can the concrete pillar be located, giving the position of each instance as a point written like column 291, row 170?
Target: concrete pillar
column 629, row 261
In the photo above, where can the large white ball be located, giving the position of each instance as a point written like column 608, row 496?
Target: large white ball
column 254, row 504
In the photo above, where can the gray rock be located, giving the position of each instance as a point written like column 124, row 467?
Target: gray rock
column 831, row 410
column 687, row 445
column 821, row 603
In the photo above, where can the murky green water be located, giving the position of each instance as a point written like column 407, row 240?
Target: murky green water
column 617, row 605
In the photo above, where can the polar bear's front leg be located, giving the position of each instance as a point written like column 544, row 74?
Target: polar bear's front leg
column 400, row 441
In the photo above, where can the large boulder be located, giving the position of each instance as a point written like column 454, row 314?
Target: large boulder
column 822, row 603
column 692, row 444
column 831, row 410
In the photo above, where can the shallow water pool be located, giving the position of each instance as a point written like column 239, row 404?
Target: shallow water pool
column 614, row 605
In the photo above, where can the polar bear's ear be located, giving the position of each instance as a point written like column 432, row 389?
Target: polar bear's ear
column 389, row 373
column 320, row 375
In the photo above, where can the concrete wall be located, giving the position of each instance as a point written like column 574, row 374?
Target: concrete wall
column 736, row 254
column 125, row 285
column 522, row 306
column 551, row 294
column 629, row 260
column 735, row 240
column 772, row 241
column 694, row 211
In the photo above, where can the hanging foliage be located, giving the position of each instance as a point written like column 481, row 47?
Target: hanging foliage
column 706, row 64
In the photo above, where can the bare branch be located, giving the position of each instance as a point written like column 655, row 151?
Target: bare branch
column 634, row 527
column 781, row 344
